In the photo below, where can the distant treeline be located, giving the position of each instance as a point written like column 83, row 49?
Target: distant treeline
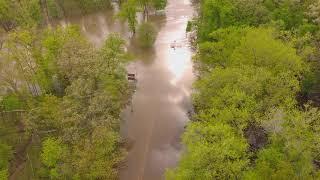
column 28, row 13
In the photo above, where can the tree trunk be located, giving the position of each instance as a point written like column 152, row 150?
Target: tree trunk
column 43, row 5
column 62, row 7
column 145, row 13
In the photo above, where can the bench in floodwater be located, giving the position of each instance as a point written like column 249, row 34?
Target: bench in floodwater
column 131, row 77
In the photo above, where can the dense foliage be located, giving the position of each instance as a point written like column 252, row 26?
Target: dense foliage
column 61, row 93
column 19, row 13
column 5, row 153
column 258, row 66
column 73, row 94
column 146, row 35
column 28, row 13
column 60, row 8
column 129, row 10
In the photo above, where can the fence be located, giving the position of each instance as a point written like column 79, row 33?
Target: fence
column 12, row 116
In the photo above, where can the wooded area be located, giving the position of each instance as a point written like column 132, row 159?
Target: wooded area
column 256, row 97
column 257, row 94
column 70, row 93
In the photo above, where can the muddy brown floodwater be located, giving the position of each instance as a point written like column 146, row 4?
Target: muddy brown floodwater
column 162, row 98
column 156, row 119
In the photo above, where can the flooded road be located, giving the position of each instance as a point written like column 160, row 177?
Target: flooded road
column 156, row 119
column 162, row 99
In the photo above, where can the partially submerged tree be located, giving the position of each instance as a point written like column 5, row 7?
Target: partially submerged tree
column 146, row 35
column 128, row 13
column 159, row 4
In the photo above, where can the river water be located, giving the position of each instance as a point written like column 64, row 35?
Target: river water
column 155, row 120
column 162, row 99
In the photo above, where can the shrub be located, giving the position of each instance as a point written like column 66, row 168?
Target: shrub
column 11, row 102
column 146, row 35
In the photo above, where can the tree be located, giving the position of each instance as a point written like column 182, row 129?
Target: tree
column 293, row 148
column 217, row 51
column 145, row 4
column 214, row 14
column 20, row 55
column 7, row 15
column 53, row 10
column 314, row 12
column 290, row 13
column 273, row 55
column 214, row 151
column 128, row 13
column 159, row 4
column 25, row 13
column 5, row 155
column 251, row 12
column 11, row 102
column 113, row 54
column 97, row 157
column 46, row 115
column 146, row 35
column 52, row 155
column 90, row 6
